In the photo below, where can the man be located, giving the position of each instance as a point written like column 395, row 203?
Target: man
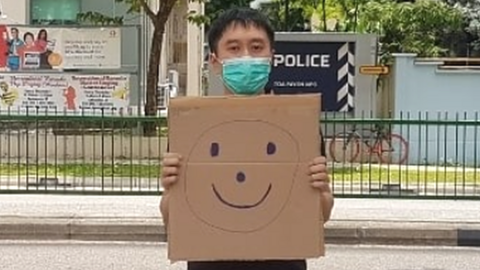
column 241, row 42
column 14, row 44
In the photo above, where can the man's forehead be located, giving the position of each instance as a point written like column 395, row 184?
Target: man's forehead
column 244, row 32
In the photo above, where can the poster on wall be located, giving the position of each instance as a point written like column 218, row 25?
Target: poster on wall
column 64, row 94
column 27, row 48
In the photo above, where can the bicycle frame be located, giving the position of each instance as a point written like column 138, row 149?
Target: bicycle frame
column 378, row 136
column 376, row 142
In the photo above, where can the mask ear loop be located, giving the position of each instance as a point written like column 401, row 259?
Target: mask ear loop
column 218, row 75
column 214, row 56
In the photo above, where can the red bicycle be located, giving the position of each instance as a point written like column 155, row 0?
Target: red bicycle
column 389, row 148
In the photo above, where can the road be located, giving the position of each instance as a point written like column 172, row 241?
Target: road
column 17, row 255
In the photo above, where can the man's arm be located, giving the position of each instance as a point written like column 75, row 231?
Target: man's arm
column 164, row 208
column 327, row 202
column 164, row 202
column 326, row 196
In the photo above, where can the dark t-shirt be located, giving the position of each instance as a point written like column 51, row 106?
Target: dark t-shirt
column 260, row 265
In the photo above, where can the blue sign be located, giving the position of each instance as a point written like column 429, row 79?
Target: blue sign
column 316, row 67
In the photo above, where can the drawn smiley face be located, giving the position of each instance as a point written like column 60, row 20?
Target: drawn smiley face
column 239, row 175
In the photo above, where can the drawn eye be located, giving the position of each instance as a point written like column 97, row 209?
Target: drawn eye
column 214, row 149
column 271, row 148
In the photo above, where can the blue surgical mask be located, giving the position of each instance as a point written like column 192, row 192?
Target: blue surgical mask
column 246, row 75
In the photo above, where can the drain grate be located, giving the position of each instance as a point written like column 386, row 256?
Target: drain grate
column 47, row 182
column 392, row 189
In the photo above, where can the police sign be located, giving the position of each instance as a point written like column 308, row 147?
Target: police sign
column 298, row 60
column 316, row 67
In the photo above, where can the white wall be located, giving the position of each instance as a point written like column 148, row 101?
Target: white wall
column 426, row 90
column 15, row 10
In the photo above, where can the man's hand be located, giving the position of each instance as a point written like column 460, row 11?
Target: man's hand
column 170, row 169
column 321, row 181
column 319, row 174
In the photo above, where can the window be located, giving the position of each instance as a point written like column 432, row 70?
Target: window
column 54, row 12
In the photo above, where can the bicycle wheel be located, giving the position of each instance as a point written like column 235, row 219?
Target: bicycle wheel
column 345, row 147
column 393, row 149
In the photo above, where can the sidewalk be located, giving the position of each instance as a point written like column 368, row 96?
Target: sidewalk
column 137, row 218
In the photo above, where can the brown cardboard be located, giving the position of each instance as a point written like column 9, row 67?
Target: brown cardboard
column 269, row 212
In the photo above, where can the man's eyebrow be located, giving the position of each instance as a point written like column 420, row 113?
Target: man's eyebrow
column 259, row 40
column 231, row 41
column 236, row 41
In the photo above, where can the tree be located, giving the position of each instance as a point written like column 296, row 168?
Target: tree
column 344, row 12
column 213, row 8
column 471, row 13
column 298, row 15
column 159, row 20
column 425, row 27
column 419, row 27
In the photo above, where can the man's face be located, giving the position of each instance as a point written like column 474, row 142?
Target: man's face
column 4, row 86
column 14, row 34
column 239, row 41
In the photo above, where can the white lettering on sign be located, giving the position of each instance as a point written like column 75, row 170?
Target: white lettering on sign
column 298, row 60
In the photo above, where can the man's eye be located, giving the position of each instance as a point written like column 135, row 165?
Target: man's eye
column 233, row 49
column 257, row 47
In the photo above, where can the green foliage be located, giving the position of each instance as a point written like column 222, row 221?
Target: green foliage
column 471, row 12
column 418, row 27
column 136, row 6
column 299, row 12
column 214, row 8
column 426, row 27
column 342, row 11
column 98, row 18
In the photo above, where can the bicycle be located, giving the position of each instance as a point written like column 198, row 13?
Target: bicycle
column 383, row 142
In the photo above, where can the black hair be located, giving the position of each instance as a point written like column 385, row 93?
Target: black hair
column 42, row 31
column 243, row 16
column 28, row 34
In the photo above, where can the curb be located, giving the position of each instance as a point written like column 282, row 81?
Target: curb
column 152, row 230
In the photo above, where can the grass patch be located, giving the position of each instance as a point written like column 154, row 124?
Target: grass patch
column 81, row 170
column 412, row 176
column 348, row 175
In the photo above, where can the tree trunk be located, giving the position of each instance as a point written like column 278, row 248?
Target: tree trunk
column 151, row 106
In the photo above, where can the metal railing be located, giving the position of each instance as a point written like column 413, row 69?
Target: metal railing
column 80, row 154
column 408, row 157
column 109, row 155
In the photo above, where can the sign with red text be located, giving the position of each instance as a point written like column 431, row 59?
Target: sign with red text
column 63, row 94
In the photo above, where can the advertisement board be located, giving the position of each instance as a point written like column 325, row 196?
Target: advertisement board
column 63, row 94
column 36, row 48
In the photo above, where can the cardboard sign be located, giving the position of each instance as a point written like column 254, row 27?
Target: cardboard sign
column 244, row 191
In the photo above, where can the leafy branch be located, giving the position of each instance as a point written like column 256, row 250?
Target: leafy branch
column 159, row 20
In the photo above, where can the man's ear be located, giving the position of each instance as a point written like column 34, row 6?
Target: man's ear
column 215, row 63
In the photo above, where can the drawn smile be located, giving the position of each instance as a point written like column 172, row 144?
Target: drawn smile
column 242, row 206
